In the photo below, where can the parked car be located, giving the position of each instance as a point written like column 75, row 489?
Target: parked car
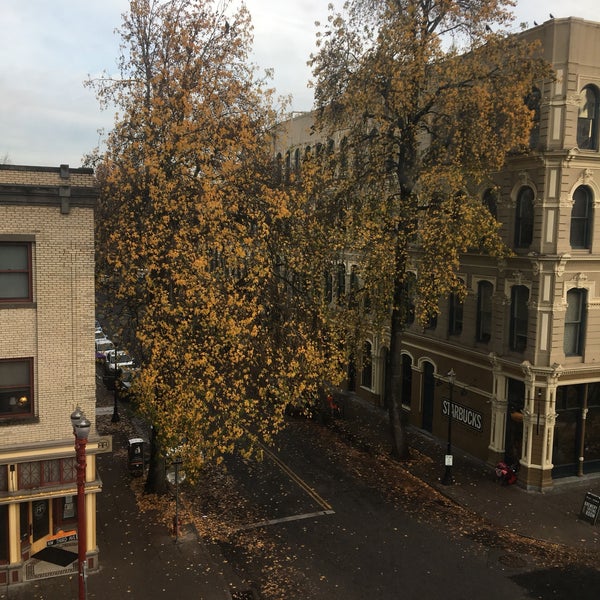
column 102, row 347
column 125, row 381
column 100, row 335
column 121, row 361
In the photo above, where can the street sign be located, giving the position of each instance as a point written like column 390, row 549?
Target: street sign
column 590, row 509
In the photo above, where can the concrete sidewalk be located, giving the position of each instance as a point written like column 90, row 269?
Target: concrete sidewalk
column 551, row 515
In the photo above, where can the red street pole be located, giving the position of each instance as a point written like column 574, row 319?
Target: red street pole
column 80, row 444
column 81, row 429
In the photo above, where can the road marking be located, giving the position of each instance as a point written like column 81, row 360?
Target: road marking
column 310, row 491
column 319, row 513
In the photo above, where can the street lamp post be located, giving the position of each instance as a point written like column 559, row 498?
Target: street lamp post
column 81, row 430
column 448, row 479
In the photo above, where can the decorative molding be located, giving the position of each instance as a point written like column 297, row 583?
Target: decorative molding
column 580, row 279
column 587, row 176
column 559, row 267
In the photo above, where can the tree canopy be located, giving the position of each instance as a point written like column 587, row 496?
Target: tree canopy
column 202, row 260
column 430, row 97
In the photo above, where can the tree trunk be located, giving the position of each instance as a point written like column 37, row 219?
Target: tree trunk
column 156, row 480
column 400, row 449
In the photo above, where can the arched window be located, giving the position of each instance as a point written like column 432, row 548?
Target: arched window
column 484, row 311
column 581, row 218
column 575, row 322
column 367, row 366
column 519, row 314
column 587, row 121
column 524, row 218
column 490, row 201
column 297, row 160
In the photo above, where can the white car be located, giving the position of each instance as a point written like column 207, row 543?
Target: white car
column 102, row 347
column 123, row 360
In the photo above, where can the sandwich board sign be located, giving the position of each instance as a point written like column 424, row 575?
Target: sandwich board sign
column 590, row 509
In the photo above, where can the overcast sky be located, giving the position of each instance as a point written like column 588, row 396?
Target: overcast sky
column 48, row 48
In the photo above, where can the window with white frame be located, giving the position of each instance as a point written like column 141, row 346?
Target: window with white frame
column 587, row 120
column 575, row 322
column 581, row 218
column 524, row 218
column 484, row 311
column 519, row 317
column 455, row 314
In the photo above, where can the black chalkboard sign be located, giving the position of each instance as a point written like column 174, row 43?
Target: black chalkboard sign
column 590, row 509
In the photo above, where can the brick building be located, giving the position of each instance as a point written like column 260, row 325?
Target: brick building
column 46, row 361
column 524, row 344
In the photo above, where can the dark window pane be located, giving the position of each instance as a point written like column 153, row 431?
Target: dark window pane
column 484, row 311
column 581, row 218
column 519, row 318
column 15, row 271
column 524, row 218
column 574, row 323
column 587, row 121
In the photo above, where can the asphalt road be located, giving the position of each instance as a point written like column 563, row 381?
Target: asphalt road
column 325, row 531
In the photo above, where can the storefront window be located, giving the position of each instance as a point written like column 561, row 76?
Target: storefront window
column 574, row 435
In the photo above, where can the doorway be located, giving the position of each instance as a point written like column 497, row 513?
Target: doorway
column 35, row 524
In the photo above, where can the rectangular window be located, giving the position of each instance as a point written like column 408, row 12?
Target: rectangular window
column 47, row 472
column 519, row 313
column 15, row 272
column 574, row 322
column 484, row 311
column 16, row 388
column 455, row 322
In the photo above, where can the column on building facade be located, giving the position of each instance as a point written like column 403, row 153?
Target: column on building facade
column 538, row 426
column 499, row 404
column 14, row 534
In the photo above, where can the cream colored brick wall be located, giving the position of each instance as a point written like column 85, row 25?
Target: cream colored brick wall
column 49, row 177
column 58, row 331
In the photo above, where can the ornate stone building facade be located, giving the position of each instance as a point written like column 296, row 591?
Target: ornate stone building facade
column 524, row 345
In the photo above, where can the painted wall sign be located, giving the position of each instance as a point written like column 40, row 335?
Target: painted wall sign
column 463, row 414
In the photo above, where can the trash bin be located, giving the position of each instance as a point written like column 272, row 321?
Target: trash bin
column 135, row 456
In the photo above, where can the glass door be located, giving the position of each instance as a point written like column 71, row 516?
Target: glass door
column 40, row 524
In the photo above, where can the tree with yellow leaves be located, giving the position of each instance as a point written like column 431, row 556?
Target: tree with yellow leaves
column 199, row 256
column 430, row 95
